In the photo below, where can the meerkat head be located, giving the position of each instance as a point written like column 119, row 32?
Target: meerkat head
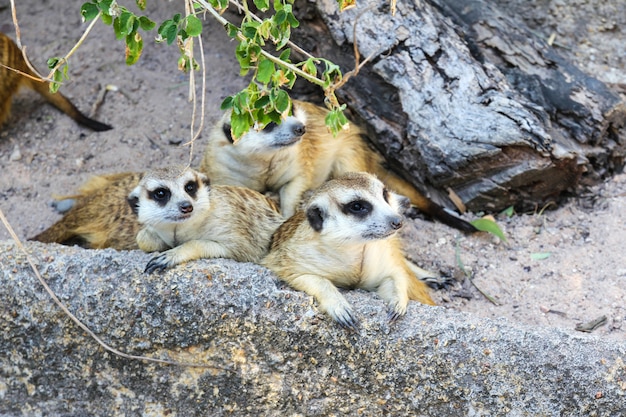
column 272, row 137
column 355, row 207
column 169, row 195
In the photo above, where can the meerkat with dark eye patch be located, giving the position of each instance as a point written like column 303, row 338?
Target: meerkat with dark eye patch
column 299, row 155
column 10, row 82
column 346, row 236
column 187, row 218
column 103, row 216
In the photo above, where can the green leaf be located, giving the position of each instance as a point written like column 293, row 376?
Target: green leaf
column 293, row 22
column 539, row 256
column 146, row 24
column 264, row 71
column 168, row 31
column 309, row 67
column 227, row 103
column 249, row 29
column 336, row 120
column 282, row 101
column 262, row 5
column 262, row 102
column 134, row 46
column 141, row 4
column 280, row 17
column 284, row 55
column 508, row 212
column 487, row 225
column 232, row 30
column 194, row 26
column 240, row 124
column 89, row 11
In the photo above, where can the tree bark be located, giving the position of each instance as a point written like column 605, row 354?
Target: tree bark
column 461, row 98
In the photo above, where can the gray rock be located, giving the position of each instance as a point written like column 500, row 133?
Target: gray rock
column 273, row 353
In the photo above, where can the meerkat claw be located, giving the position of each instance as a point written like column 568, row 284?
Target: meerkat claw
column 158, row 263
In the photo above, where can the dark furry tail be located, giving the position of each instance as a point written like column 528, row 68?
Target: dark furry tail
column 62, row 103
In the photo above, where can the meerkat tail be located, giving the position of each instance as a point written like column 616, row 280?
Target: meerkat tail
column 62, row 103
column 418, row 291
column 423, row 203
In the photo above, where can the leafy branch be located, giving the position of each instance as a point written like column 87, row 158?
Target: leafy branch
column 264, row 50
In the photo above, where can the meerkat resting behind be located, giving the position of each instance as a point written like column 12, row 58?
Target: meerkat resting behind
column 346, row 236
column 11, row 81
column 299, row 155
column 187, row 218
column 100, row 216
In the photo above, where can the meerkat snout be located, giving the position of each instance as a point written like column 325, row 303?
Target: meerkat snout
column 185, row 207
column 396, row 223
column 299, row 129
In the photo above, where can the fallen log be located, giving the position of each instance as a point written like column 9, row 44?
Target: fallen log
column 461, row 98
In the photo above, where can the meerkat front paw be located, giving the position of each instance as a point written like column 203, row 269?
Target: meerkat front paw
column 160, row 263
column 344, row 316
column 396, row 311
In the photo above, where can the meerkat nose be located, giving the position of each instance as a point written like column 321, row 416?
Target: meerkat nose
column 395, row 222
column 185, row 207
column 299, row 129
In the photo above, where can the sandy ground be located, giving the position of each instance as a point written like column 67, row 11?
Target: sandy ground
column 558, row 268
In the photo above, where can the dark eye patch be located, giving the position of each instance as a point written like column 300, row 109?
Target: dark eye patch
column 359, row 208
column 191, row 188
column 161, row 195
column 269, row 127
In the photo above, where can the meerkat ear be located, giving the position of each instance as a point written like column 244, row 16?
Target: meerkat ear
column 226, row 129
column 133, row 200
column 204, row 179
column 316, row 217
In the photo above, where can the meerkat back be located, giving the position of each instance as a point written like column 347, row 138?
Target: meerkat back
column 11, row 81
column 100, row 216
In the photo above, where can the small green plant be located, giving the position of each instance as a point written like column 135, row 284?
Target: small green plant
column 264, row 50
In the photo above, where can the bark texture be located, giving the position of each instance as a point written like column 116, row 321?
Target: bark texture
column 460, row 97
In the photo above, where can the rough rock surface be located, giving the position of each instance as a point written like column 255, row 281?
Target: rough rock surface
column 274, row 353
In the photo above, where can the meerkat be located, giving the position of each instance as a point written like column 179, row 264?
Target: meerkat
column 11, row 81
column 187, row 218
column 299, row 155
column 100, row 216
column 346, row 236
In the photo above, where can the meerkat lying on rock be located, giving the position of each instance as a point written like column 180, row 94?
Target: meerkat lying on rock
column 346, row 236
column 183, row 215
column 172, row 209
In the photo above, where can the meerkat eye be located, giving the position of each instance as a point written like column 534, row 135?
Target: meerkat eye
column 358, row 208
column 160, row 195
column 191, row 188
column 269, row 127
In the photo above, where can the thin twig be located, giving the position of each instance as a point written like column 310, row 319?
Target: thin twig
column 84, row 327
column 266, row 54
column 290, row 43
column 357, row 55
column 75, row 47
column 469, row 275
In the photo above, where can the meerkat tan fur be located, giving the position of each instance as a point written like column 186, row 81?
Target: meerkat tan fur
column 183, row 215
column 11, row 81
column 346, row 236
column 100, row 216
column 299, row 155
